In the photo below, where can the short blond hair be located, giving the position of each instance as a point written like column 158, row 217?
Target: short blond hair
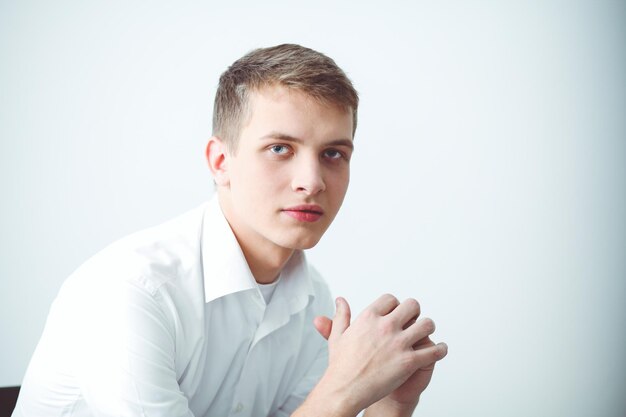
column 287, row 65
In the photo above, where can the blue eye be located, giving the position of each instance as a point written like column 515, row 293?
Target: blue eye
column 279, row 149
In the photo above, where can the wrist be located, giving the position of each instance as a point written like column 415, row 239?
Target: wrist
column 329, row 400
column 389, row 408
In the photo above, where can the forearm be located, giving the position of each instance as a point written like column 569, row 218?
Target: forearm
column 327, row 400
column 385, row 408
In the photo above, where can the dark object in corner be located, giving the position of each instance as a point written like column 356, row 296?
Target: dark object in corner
column 8, row 398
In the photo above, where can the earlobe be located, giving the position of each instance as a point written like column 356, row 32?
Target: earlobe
column 217, row 157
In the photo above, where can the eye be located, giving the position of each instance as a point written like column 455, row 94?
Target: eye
column 334, row 154
column 279, row 149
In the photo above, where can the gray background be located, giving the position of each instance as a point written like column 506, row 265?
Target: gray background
column 488, row 179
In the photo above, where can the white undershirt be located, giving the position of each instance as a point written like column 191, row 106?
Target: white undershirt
column 268, row 290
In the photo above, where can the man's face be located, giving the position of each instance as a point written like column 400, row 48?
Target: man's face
column 290, row 171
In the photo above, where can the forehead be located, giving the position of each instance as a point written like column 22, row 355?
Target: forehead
column 299, row 114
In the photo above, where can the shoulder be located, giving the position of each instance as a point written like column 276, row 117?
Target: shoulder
column 148, row 258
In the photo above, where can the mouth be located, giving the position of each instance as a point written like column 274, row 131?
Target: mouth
column 305, row 213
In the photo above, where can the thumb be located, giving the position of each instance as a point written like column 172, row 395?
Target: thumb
column 323, row 325
column 341, row 321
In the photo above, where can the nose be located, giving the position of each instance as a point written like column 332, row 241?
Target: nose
column 308, row 177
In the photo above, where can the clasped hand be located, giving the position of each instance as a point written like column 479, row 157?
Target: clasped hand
column 385, row 357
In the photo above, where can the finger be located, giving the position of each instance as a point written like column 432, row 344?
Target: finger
column 323, row 325
column 409, row 323
column 419, row 330
column 384, row 304
column 408, row 310
column 424, row 358
column 425, row 342
column 427, row 368
column 341, row 321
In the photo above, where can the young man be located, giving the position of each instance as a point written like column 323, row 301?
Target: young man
column 217, row 312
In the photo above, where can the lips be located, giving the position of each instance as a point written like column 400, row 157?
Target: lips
column 305, row 213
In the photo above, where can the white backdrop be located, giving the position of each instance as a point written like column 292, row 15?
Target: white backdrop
column 489, row 179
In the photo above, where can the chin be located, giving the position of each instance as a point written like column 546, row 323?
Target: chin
column 301, row 242
column 308, row 245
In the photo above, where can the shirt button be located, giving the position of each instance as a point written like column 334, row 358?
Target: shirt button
column 238, row 407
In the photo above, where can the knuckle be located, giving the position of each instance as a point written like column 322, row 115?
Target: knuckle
column 408, row 363
column 367, row 314
column 397, row 345
column 386, row 327
column 414, row 305
column 389, row 298
column 429, row 325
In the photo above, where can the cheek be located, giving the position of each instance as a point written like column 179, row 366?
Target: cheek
column 338, row 183
column 257, row 179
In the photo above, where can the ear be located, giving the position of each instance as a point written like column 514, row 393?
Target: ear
column 217, row 156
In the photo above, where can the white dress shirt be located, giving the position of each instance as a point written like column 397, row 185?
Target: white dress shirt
column 170, row 322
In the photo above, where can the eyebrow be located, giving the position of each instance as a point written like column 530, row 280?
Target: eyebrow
column 288, row 138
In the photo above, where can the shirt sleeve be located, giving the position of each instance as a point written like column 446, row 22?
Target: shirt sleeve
column 127, row 367
column 306, row 384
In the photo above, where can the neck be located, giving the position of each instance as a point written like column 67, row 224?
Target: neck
column 265, row 264
column 265, row 258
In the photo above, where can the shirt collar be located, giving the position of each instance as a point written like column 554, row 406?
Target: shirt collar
column 295, row 285
column 226, row 271
column 224, row 266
